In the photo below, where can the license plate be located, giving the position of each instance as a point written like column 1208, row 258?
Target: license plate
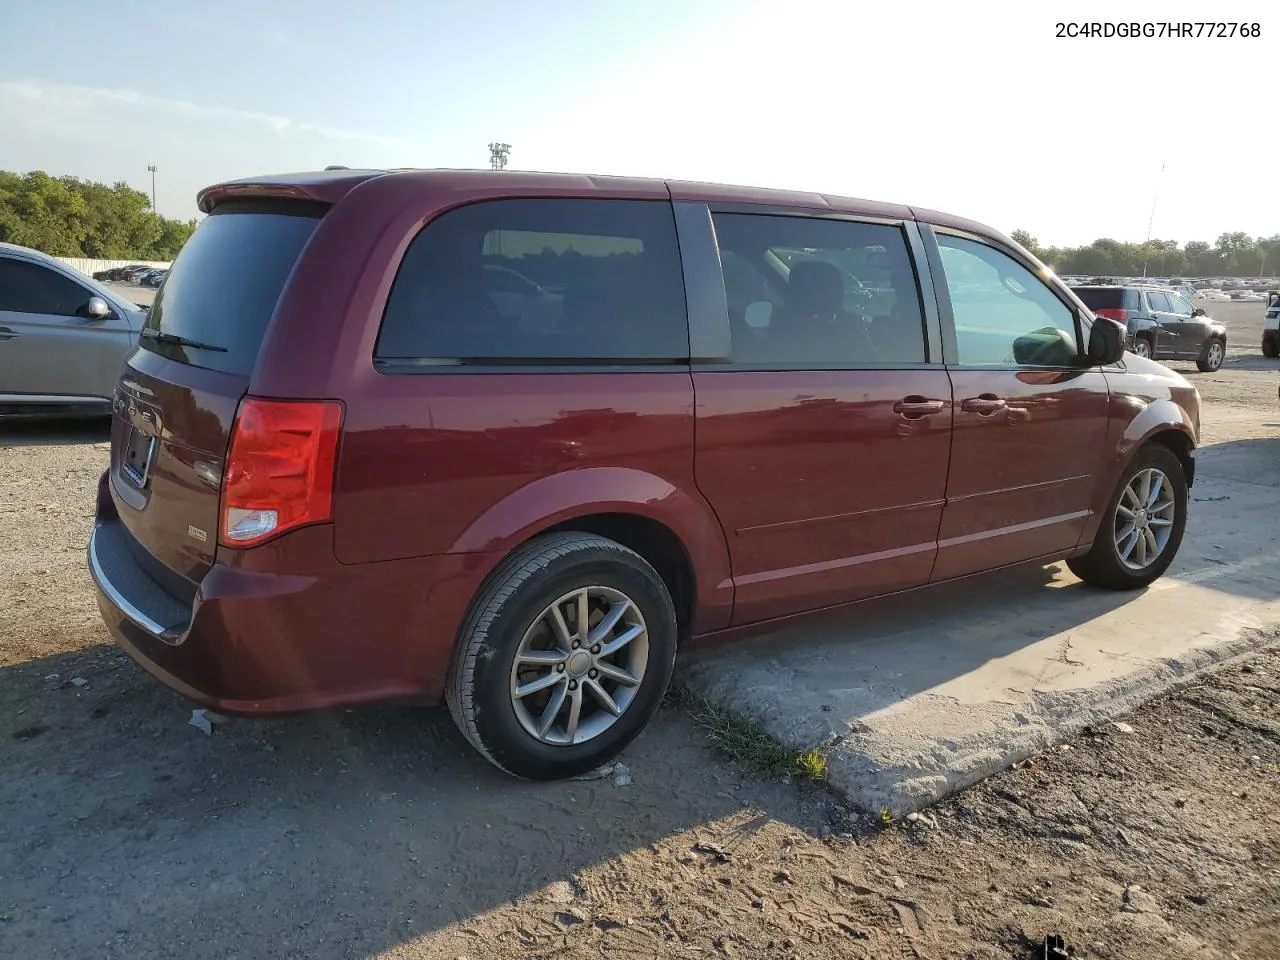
column 138, row 451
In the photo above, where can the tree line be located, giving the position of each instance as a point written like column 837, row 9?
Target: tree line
column 1232, row 255
column 69, row 217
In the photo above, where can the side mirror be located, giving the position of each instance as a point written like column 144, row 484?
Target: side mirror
column 96, row 309
column 1106, row 342
column 1198, row 312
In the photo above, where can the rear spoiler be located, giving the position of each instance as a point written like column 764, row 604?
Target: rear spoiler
column 325, row 188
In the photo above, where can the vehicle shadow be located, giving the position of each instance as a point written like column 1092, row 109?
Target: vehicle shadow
column 1251, row 361
column 124, row 831
column 22, row 431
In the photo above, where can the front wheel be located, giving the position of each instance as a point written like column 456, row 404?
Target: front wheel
column 1142, row 347
column 564, row 656
column 1142, row 528
column 1212, row 355
column 1271, row 347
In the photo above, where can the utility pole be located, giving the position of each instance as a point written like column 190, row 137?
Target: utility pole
column 498, row 155
column 152, row 167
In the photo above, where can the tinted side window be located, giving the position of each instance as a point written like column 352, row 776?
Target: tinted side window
column 586, row 280
column 1158, row 301
column 810, row 291
column 31, row 288
column 1004, row 314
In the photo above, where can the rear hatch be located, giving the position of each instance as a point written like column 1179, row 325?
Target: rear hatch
column 177, row 397
column 1111, row 302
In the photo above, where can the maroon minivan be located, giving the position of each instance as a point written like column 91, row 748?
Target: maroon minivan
column 510, row 437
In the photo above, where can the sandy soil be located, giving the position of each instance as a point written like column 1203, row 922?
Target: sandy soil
column 126, row 832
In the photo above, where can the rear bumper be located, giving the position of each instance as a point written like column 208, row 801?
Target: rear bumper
column 284, row 628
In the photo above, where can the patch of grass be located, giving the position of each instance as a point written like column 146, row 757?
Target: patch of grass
column 745, row 742
column 812, row 764
column 886, row 816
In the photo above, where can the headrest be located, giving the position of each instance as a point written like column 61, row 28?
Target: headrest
column 817, row 289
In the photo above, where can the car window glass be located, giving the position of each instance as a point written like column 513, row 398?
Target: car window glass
column 30, row 288
column 501, row 280
column 586, row 280
column 224, row 286
column 1180, row 305
column 839, row 291
column 1004, row 314
column 1158, row 301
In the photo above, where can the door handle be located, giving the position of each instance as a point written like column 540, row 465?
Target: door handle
column 915, row 407
column 984, row 406
column 7, row 334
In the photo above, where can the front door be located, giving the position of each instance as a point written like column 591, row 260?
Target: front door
column 1190, row 331
column 1030, row 423
column 49, row 346
column 823, row 449
column 1168, row 334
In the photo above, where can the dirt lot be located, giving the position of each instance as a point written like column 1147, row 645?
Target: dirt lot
column 125, row 832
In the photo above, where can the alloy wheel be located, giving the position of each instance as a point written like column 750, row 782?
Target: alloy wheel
column 1144, row 518
column 579, row 666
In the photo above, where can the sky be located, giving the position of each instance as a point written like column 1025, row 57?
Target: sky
column 974, row 108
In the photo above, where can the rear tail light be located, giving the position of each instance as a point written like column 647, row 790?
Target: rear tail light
column 279, row 470
column 1112, row 313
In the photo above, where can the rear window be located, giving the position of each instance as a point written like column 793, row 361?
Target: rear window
column 221, row 291
column 540, row 281
column 1100, row 298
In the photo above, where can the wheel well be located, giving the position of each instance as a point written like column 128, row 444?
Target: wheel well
column 655, row 542
column 1179, row 444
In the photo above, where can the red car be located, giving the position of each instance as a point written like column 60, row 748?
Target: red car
column 352, row 461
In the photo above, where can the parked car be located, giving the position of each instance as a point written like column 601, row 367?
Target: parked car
column 340, row 474
column 1211, row 294
column 154, row 278
column 63, row 336
column 1271, row 327
column 115, row 273
column 1162, row 324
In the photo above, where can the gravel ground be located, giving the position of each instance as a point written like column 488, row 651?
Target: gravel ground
column 126, row 832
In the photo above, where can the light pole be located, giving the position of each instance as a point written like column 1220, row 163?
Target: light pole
column 152, row 167
column 1151, row 221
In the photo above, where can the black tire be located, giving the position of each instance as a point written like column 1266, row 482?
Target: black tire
column 478, row 690
column 1102, row 566
column 1271, row 347
column 1205, row 362
column 1146, row 341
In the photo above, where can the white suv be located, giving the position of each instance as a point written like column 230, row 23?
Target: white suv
column 1271, row 327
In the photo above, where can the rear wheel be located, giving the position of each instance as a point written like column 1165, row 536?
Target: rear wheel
column 1142, row 528
column 564, row 657
column 1212, row 355
column 1271, row 347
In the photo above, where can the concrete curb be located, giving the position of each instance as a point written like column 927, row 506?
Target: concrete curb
column 871, row 773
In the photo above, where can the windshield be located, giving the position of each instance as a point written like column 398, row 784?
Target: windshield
column 223, row 288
